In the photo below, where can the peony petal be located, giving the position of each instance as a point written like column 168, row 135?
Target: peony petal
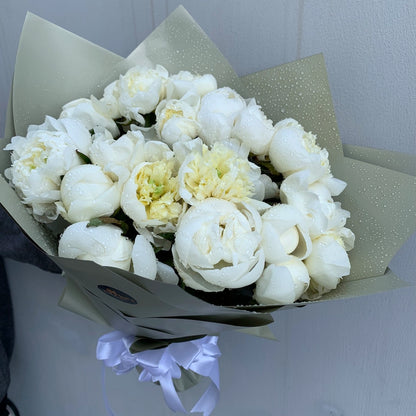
column 144, row 258
column 166, row 274
column 191, row 278
column 328, row 262
column 272, row 246
column 283, row 283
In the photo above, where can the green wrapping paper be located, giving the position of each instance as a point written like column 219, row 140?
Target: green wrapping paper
column 381, row 190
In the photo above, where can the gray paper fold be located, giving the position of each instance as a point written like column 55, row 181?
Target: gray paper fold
column 400, row 162
column 63, row 67
column 179, row 43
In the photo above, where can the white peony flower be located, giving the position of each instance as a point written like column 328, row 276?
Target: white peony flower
column 87, row 192
column 253, row 128
column 292, row 149
column 217, row 114
column 183, row 82
column 315, row 202
column 282, row 283
column 84, row 111
column 217, row 246
column 40, row 159
column 140, row 90
column 103, row 244
column 176, row 119
column 284, row 233
column 150, row 196
column 327, row 264
column 216, row 173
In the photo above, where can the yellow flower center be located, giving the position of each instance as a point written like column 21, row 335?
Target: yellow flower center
column 157, row 190
column 37, row 157
column 138, row 82
column 168, row 114
column 218, row 173
column 309, row 142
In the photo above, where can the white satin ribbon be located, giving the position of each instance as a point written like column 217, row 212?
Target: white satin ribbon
column 163, row 364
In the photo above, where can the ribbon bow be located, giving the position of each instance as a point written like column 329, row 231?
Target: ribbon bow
column 161, row 365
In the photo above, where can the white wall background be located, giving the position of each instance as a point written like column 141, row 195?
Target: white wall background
column 353, row 357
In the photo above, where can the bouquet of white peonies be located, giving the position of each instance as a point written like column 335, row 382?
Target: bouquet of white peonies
column 181, row 209
column 169, row 171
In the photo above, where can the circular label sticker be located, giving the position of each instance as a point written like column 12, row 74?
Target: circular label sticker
column 117, row 294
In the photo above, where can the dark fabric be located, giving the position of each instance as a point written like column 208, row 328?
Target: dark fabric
column 6, row 331
column 3, row 408
column 15, row 245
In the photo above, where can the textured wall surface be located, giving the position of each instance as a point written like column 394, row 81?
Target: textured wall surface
column 353, row 357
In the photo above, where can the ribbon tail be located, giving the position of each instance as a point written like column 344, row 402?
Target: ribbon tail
column 171, row 396
column 208, row 400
